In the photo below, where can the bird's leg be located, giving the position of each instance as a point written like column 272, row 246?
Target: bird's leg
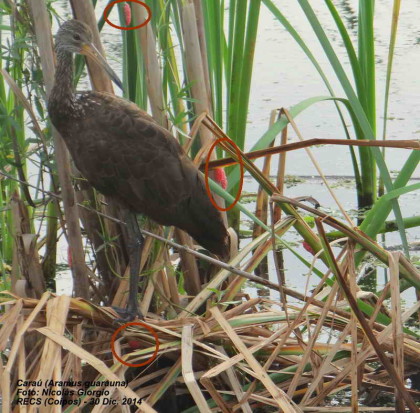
column 135, row 248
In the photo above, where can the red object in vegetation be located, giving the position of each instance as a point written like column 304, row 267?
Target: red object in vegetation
column 206, row 173
column 220, row 177
column 134, row 344
column 127, row 14
column 308, row 247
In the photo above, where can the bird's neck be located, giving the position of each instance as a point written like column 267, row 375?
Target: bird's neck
column 63, row 84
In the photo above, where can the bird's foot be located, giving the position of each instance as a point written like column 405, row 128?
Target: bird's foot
column 128, row 314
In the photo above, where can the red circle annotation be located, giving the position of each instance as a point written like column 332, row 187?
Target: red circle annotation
column 135, row 323
column 108, row 7
column 206, row 174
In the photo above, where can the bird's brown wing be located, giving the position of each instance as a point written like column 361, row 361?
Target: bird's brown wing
column 126, row 155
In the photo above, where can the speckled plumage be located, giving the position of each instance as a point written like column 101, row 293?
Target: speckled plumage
column 126, row 155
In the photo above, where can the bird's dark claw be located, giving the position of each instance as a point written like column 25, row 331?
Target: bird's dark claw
column 127, row 314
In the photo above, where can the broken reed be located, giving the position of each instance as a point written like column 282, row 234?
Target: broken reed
column 263, row 352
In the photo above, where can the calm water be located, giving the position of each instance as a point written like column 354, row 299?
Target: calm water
column 283, row 77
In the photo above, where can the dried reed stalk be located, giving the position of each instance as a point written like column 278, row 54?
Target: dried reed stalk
column 368, row 331
column 261, row 207
column 187, row 370
column 400, row 144
column 42, row 26
column 26, row 251
column 397, row 326
column 152, row 67
column 196, row 75
column 279, row 396
column 268, row 353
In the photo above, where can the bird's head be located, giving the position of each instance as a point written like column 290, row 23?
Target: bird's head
column 75, row 36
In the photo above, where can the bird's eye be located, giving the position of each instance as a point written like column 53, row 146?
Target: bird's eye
column 76, row 37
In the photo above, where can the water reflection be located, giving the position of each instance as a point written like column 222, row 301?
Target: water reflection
column 349, row 14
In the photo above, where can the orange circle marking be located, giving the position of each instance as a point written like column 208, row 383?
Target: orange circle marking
column 107, row 9
column 135, row 323
column 206, row 174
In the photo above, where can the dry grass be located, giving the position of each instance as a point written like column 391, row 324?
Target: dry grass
column 251, row 355
column 292, row 356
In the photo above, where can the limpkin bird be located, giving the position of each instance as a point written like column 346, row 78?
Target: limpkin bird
column 127, row 156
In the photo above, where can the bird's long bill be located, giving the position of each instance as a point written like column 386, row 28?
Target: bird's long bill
column 90, row 50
